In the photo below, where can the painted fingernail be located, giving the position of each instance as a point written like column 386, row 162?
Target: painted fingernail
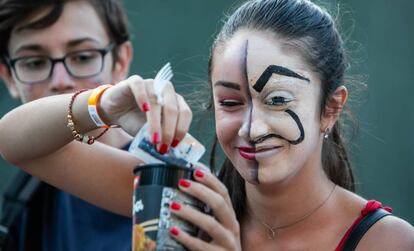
column 163, row 148
column 155, row 138
column 145, row 107
column 184, row 183
column 175, row 142
column 199, row 173
column 174, row 231
column 175, row 206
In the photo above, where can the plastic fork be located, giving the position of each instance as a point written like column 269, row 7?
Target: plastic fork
column 160, row 80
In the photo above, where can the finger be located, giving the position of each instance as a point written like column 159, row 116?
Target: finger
column 169, row 117
column 221, row 209
column 205, row 222
column 202, row 175
column 185, row 116
column 136, row 84
column 154, row 114
column 192, row 243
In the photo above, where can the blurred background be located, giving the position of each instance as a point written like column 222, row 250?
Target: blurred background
column 380, row 41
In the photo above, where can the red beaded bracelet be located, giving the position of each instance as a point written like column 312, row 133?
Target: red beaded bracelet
column 71, row 124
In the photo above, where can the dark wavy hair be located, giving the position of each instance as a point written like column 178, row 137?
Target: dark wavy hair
column 13, row 12
column 312, row 32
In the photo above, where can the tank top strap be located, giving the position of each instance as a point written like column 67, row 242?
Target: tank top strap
column 371, row 206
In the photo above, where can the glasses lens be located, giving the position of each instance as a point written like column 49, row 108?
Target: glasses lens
column 84, row 63
column 33, row 69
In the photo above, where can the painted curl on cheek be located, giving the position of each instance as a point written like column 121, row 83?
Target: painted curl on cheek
column 259, row 86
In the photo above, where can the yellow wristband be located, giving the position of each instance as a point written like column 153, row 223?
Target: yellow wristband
column 93, row 103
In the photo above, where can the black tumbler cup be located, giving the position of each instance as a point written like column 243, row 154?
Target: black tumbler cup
column 155, row 187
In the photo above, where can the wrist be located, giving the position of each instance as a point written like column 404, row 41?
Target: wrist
column 71, row 121
column 94, row 107
column 80, row 113
column 104, row 109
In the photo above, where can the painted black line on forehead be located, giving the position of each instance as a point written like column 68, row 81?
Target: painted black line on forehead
column 275, row 69
column 293, row 142
column 244, row 64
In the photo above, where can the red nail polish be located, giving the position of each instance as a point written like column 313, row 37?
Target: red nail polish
column 174, row 231
column 175, row 206
column 145, row 107
column 199, row 173
column 155, row 138
column 163, row 148
column 175, row 142
column 184, row 183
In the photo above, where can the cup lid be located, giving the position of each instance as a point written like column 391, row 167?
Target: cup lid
column 143, row 167
column 162, row 174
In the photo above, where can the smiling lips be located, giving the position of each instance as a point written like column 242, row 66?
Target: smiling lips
column 250, row 153
column 247, row 153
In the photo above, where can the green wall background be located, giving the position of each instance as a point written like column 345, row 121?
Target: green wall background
column 381, row 45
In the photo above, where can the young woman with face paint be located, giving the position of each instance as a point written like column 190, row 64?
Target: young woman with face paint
column 277, row 76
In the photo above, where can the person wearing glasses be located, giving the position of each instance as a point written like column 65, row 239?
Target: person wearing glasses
column 55, row 47
column 79, row 64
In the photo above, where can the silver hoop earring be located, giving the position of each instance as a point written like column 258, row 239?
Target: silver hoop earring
column 326, row 133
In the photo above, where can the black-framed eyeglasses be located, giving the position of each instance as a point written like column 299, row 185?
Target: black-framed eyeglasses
column 79, row 64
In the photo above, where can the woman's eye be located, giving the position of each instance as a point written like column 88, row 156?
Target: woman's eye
column 278, row 101
column 230, row 103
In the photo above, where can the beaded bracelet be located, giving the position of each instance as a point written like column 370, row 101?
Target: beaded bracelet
column 71, row 124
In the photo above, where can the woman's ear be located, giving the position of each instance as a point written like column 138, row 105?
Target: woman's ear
column 121, row 67
column 333, row 108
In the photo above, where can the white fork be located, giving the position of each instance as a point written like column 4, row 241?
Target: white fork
column 160, row 80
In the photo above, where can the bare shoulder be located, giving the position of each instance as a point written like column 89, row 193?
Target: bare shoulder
column 389, row 233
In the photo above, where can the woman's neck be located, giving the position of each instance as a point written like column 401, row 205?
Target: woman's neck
column 283, row 204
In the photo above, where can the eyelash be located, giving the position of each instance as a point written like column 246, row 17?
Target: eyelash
column 278, row 101
column 229, row 103
column 274, row 101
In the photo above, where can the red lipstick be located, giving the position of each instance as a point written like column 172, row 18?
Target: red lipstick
column 247, row 153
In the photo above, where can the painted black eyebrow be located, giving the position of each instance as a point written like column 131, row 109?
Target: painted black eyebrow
column 228, row 84
column 264, row 78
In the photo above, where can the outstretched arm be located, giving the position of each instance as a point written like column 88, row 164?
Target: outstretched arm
column 35, row 137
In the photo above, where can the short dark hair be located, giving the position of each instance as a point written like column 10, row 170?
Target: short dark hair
column 12, row 12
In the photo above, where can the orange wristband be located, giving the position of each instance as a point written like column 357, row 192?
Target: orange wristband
column 93, row 104
column 71, row 124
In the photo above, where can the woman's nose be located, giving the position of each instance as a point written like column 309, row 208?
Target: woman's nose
column 254, row 125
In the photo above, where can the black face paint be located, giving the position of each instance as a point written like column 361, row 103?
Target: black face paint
column 254, row 171
column 275, row 69
column 261, row 83
column 243, row 66
column 293, row 142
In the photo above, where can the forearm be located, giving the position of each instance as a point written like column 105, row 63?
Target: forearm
column 98, row 173
column 40, row 127
column 36, row 138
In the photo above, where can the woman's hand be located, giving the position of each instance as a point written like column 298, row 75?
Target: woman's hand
column 132, row 102
column 223, row 228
